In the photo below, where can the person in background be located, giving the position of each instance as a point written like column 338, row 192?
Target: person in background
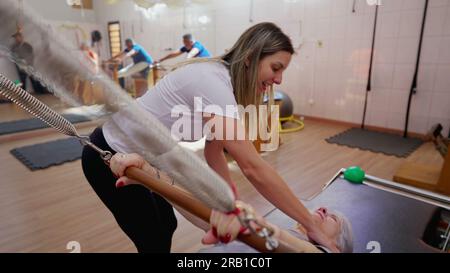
column 23, row 52
column 91, row 56
column 141, row 60
column 194, row 49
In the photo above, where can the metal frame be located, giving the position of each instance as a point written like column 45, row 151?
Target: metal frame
column 429, row 197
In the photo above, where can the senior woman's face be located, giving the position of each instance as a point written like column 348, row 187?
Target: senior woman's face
column 329, row 222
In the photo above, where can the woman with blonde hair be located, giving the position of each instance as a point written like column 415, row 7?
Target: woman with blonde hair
column 240, row 77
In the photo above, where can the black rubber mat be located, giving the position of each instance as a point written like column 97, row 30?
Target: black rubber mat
column 23, row 125
column 377, row 142
column 44, row 155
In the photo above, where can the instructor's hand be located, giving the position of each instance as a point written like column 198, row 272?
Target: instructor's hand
column 316, row 234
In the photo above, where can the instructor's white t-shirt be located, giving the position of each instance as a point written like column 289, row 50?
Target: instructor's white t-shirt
column 209, row 82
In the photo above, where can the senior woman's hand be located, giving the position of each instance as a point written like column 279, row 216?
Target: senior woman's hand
column 120, row 162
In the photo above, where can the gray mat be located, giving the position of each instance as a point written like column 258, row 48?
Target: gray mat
column 44, row 155
column 377, row 142
column 23, row 125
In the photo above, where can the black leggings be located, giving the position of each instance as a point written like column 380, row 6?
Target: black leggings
column 147, row 219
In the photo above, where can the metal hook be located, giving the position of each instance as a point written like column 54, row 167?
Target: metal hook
column 265, row 232
column 105, row 155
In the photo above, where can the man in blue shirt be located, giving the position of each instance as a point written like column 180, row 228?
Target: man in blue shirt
column 141, row 60
column 194, row 49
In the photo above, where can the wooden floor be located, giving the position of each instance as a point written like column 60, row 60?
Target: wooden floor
column 43, row 211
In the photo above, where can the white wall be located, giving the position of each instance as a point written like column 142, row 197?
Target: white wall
column 58, row 10
column 335, row 76
column 397, row 45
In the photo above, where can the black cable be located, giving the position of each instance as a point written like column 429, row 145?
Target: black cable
column 369, row 80
column 413, row 89
column 354, row 6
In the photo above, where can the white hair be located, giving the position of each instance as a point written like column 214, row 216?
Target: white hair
column 344, row 240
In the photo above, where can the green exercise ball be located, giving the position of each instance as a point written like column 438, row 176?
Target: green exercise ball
column 354, row 174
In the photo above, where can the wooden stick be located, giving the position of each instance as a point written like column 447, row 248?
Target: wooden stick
column 197, row 208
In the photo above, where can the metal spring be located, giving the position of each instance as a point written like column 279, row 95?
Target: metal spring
column 38, row 109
